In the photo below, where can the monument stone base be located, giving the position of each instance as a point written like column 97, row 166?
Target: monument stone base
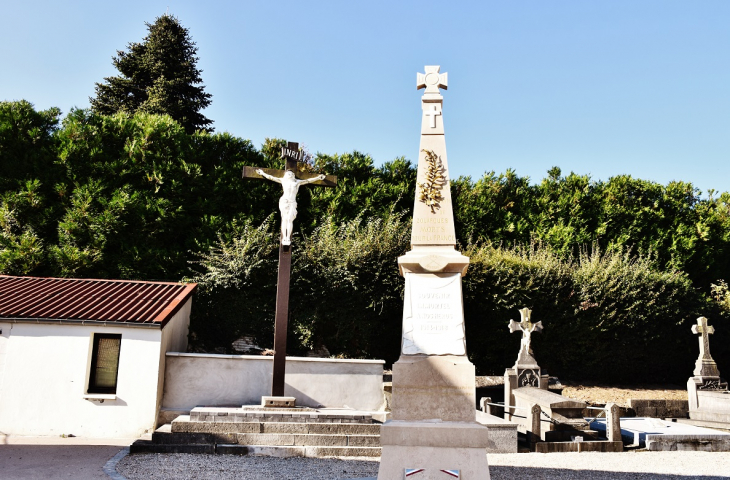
column 436, row 447
column 428, row 386
column 709, row 399
column 278, row 402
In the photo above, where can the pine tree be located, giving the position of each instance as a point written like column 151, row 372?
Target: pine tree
column 158, row 76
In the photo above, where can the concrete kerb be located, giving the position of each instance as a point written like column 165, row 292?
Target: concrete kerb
column 110, row 467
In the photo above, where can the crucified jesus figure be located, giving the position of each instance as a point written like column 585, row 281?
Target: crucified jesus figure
column 288, row 201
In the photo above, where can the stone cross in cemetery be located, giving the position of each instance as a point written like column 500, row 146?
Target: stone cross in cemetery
column 705, row 365
column 291, row 178
column 526, row 327
column 707, row 392
column 526, row 372
column 433, row 428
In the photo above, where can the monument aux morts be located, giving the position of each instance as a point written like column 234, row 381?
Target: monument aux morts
column 433, row 433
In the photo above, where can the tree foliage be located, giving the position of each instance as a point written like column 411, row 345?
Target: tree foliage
column 617, row 269
column 158, row 76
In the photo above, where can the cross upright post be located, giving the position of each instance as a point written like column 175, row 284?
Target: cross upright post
column 290, row 179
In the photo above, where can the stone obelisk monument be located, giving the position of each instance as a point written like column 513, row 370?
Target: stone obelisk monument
column 433, row 433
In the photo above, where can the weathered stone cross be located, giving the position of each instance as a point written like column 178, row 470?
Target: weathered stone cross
column 527, row 327
column 705, row 366
column 291, row 178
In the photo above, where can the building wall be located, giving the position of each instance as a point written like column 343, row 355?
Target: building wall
column 174, row 339
column 202, row 379
column 46, row 374
column 4, row 335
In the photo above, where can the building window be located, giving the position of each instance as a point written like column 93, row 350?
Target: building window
column 104, row 363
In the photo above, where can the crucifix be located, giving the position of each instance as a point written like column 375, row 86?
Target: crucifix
column 705, row 365
column 291, row 178
column 527, row 327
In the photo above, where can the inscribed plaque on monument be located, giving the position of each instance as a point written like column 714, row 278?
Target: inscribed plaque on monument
column 433, row 319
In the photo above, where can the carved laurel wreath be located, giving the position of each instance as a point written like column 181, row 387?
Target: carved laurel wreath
column 435, row 181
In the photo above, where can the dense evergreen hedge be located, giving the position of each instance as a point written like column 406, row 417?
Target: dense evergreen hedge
column 616, row 270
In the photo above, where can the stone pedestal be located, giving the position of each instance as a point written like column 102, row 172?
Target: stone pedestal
column 434, row 387
column 434, row 447
column 518, row 377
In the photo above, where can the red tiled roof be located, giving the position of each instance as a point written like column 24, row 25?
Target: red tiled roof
column 75, row 300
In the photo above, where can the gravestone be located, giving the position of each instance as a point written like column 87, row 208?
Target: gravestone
column 526, row 372
column 708, row 395
column 433, row 430
column 290, row 184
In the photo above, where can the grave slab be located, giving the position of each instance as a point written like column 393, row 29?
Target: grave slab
column 660, row 435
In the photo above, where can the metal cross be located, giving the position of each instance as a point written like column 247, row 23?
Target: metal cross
column 293, row 155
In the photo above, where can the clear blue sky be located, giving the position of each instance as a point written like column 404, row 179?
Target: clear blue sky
column 638, row 87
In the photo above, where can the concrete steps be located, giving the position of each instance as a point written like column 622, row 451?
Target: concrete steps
column 284, row 432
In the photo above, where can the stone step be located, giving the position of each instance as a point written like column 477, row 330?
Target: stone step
column 183, row 424
column 147, row 446
column 246, row 415
column 273, row 439
column 270, row 450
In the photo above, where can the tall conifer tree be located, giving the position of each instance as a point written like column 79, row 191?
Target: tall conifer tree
column 158, row 76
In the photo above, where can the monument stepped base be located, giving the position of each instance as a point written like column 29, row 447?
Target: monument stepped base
column 275, row 432
column 319, row 433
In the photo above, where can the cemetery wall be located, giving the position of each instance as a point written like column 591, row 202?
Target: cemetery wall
column 193, row 379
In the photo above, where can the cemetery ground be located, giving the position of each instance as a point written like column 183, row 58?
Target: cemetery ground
column 599, row 394
column 42, row 458
column 552, row 466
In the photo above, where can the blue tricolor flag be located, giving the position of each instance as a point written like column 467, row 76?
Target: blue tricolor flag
column 452, row 473
column 412, row 471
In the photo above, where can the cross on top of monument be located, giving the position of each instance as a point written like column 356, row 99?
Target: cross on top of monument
column 525, row 324
column 703, row 328
column 432, row 80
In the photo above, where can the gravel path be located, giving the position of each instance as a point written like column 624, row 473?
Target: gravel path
column 637, row 465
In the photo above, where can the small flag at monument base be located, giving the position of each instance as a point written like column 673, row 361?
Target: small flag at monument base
column 413, row 472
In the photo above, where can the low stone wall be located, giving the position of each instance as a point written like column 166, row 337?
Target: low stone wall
column 193, row 379
column 660, row 408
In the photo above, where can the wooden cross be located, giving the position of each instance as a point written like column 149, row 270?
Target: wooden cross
column 705, row 365
column 293, row 155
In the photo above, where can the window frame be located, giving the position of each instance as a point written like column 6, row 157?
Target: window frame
column 93, row 388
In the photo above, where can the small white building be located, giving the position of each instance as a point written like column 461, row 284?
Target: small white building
column 87, row 357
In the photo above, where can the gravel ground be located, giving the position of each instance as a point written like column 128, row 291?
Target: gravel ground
column 638, row 465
